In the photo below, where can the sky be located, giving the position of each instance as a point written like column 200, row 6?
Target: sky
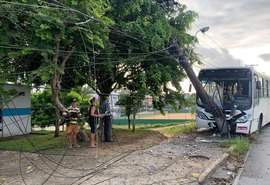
column 239, row 32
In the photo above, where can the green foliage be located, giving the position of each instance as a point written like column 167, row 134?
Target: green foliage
column 191, row 103
column 126, row 101
column 241, row 146
column 43, row 112
column 145, row 26
column 118, row 44
column 6, row 95
column 41, row 44
column 68, row 97
column 31, row 29
column 82, row 102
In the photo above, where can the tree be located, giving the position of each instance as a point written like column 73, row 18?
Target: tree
column 132, row 103
column 44, row 114
column 137, row 45
column 135, row 56
column 71, row 42
column 126, row 101
column 190, row 103
column 46, row 39
column 43, row 111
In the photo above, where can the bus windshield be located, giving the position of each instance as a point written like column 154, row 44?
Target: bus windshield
column 228, row 92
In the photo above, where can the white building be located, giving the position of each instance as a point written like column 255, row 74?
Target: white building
column 15, row 113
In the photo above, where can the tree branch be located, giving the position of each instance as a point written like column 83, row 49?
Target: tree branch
column 63, row 64
column 57, row 46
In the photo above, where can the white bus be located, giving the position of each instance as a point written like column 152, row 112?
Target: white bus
column 240, row 87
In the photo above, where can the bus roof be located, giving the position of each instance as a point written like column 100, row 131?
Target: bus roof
column 216, row 71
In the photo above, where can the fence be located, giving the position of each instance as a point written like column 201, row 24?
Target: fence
column 154, row 117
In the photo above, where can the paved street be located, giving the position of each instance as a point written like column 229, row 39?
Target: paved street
column 257, row 167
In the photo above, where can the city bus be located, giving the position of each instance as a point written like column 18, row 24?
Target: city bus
column 236, row 90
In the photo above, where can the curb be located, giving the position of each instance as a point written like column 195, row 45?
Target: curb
column 211, row 168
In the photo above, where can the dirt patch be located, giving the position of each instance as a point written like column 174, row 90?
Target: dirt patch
column 160, row 129
column 148, row 160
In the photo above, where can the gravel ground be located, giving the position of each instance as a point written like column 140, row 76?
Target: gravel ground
column 179, row 160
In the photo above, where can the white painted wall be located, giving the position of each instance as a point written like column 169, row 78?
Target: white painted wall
column 16, row 113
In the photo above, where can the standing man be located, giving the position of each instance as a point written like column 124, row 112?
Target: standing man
column 105, row 109
column 72, row 114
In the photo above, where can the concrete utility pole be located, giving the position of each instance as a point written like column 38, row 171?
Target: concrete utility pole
column 209, row 104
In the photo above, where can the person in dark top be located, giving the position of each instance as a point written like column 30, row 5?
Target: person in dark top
column 93, row 121
column 105, row 109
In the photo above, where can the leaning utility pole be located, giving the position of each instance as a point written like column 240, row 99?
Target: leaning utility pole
column 209, row 104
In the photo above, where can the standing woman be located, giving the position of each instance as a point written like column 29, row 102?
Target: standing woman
column 93, row 120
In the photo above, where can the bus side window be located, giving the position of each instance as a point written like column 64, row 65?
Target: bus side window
column 267, row 88
column 258, row 85
column 257, row 91
column 262, row 88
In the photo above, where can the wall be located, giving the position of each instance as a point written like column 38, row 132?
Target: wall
column 16, row 112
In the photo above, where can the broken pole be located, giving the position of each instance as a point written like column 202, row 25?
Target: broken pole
column 209, row 104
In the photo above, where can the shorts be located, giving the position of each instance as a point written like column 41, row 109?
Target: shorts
column 72, row 128
column 93, row 127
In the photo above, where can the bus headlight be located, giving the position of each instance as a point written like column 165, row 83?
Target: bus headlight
column 201, row 115
column 243, row 119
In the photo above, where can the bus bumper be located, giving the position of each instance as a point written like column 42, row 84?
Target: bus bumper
column 203, row 123
column 243, row 128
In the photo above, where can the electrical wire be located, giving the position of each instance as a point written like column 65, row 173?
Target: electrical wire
column 59, row 162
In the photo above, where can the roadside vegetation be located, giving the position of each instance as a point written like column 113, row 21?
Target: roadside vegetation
column 127, row 46
column 37, row 141
column 238, row 146
column 45, row 141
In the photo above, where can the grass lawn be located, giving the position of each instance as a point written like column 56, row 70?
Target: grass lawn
column 45, row 141
column 39, row 140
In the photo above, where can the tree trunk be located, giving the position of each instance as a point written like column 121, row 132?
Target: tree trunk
column 135, row 111
column 210, row 105
column 57, row 123
column 55, row 86
column 133, row 122
column 83, row 135
column 56, row 75
column 129, row 121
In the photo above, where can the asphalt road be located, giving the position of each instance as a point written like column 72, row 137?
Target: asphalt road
column 257, row 167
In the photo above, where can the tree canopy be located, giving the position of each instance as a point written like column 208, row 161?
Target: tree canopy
column 135, row 53
column 48, row 38
column 107, row 44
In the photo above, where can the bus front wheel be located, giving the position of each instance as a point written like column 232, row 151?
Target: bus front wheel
column 260, row 124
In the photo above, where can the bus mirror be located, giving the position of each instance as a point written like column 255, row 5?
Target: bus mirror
column 258, row 85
